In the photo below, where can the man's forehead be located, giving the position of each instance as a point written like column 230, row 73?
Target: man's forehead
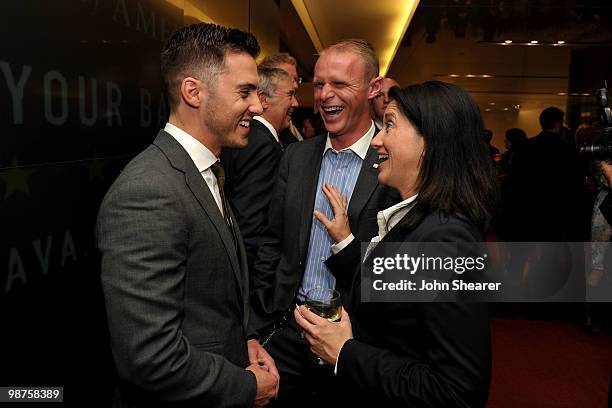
column 287, row 67
column 345, row 62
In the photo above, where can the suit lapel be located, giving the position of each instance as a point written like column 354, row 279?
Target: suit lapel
column 310, row 174
column 263, row 129
column 364, row 187
column 181, row 161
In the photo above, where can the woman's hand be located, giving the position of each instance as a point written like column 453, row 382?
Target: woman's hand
column 326, row 338
column 338, row 228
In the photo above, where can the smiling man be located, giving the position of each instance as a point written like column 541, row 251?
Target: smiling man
column 250, row 172
column 294, row 245
column 380, row 101
column 174, row 270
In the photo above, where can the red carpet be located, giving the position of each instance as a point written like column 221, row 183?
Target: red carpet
column 548, row 364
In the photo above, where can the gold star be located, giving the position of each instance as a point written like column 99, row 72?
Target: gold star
column 16, row 179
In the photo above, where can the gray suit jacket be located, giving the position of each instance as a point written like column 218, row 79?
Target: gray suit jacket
column 175, row 287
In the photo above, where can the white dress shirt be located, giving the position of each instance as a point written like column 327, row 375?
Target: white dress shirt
column 360, row 147
column 202, row 158
column 268, row 125
column 387, row 219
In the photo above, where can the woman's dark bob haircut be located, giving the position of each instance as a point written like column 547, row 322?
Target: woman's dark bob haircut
column 457, row 175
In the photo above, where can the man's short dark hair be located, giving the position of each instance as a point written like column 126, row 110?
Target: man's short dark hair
column 199, row 51
column 550, row 117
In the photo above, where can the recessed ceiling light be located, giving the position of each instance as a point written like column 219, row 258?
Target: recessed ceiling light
column 470, row 75
column 561, row 42
column 454, row 75
column 492, row 103
column 533, row 42
column 562, row 93
column 487, row 109
column 586, row 94
column 508, row 42
column 517, row 106
column 505, row 109
column 486, row 76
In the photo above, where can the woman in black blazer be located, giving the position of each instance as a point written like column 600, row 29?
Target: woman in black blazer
column 432, row 151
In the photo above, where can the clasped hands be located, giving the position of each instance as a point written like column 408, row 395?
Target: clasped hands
column 266, row 374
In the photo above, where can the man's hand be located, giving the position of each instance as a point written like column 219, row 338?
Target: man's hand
column 258, row 355
column 267, row 385
column 326, row 338
column 338, row 228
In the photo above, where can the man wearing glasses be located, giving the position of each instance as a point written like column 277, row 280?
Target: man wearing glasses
column 250, row 172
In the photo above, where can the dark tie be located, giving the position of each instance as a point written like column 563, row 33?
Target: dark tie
column 219, row 173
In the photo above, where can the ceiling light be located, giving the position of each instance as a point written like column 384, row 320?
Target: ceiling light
column 561, row 94
column 505, row 109
column 560, row 42
column 454, row 75
column 508, row 42
column 533, row 42
column 586, row 94
column 470, row 75
column 488, row 110
column 492, row 103
column 517, row 106
column 486, row 76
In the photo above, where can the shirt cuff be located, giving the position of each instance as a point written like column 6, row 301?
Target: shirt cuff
column 342, row 244
column 338, row 358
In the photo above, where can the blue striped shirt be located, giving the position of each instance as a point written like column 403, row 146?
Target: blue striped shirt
column 342, row 170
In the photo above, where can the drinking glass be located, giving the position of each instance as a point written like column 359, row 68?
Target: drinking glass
column 326, row 303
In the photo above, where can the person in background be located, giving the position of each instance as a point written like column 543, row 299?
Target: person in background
column 515, row 140
column 381, row 100
column 250, row 172
column 288, row 64
column 488, row 137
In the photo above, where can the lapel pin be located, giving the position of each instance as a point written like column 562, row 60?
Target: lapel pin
column 375, row 165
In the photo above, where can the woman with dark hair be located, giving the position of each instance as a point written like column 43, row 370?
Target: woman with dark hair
column 431, row 150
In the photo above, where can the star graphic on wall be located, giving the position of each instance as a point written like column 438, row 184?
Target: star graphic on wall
column 15, row 179
column 96, row 168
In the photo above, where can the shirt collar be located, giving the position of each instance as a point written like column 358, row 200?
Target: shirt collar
column 378, row 124
column 201, row 156
column 360, row 147
column 388, row 218
column 268, row 125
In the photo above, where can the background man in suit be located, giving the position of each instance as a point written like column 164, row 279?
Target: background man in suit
column 293, row 247
column 288, row 64
column 173, row 263
column 250, row 172
column 381, row 100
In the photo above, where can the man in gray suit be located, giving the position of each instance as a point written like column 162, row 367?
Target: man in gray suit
column 173, row 263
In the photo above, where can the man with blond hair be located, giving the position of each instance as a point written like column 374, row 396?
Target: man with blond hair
column 294, row 246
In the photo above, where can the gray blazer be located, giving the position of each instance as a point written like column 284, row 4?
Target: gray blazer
column 175, row 287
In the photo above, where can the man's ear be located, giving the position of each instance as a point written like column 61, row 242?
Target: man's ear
column 191, row 92
column 374, row 86
column 265, row 101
